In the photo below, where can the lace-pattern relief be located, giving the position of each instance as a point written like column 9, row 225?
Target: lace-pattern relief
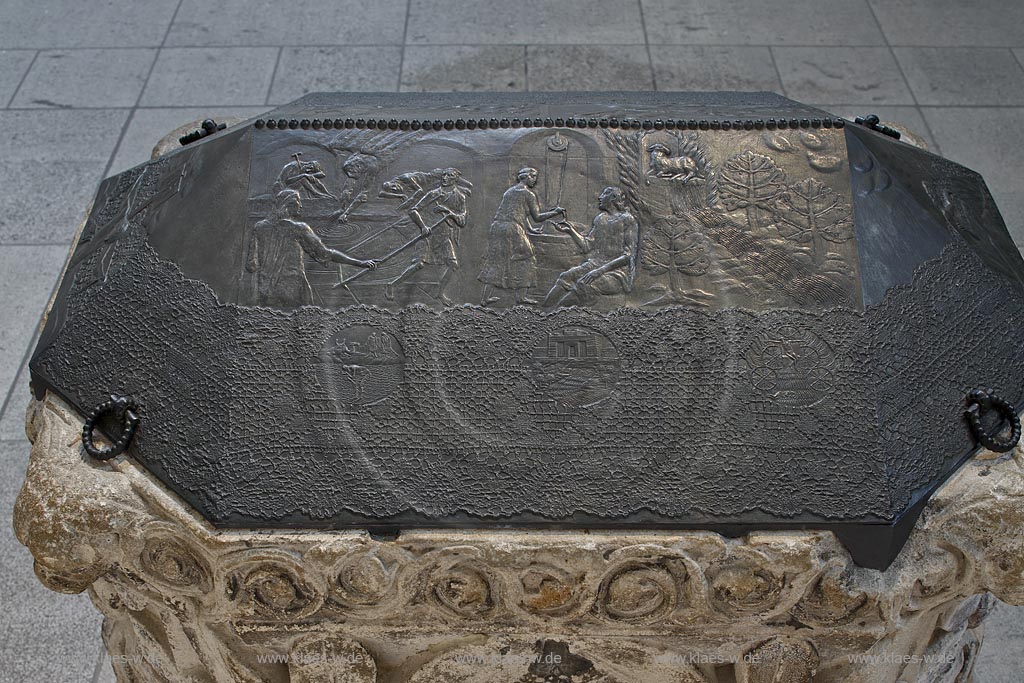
column 682, row 412
column 959, row 326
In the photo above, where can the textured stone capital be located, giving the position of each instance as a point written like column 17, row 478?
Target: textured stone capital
column 184, row 602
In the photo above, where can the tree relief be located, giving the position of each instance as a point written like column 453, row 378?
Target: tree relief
column 549, row 218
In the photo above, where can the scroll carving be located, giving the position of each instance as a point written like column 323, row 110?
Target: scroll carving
column 481, row 606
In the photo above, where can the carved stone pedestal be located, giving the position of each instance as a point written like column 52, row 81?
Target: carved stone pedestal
column 183, row 602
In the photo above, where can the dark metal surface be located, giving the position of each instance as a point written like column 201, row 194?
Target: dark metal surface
column 979, row 402
column 681, row 310
column 209, row 127
column 872, row 122
column 124, row 410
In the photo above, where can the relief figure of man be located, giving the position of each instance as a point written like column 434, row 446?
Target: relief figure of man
column 303, row 176
column 280, row 244
column 439, row 214
column 611, row 247
column 509, row 262
column 360, row 169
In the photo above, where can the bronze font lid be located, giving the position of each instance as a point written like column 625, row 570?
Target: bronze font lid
column 722, row 311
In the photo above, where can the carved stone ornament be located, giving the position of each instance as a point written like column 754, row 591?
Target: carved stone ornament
column 675, row 311
column 185, row 602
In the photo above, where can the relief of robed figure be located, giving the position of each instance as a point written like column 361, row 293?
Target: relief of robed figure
column 510, row 262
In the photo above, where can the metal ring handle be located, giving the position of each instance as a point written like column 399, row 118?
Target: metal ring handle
column 980, row 401
column 121, row 406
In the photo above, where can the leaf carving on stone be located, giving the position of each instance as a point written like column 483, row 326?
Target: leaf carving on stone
column 810, row 209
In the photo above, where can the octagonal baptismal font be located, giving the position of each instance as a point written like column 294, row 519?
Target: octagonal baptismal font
column 572, row 376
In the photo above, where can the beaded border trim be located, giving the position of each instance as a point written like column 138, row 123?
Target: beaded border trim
column 490, row 124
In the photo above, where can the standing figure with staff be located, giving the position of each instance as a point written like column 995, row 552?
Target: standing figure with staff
column 277, row 254
column 446, row 212
column 509, row 262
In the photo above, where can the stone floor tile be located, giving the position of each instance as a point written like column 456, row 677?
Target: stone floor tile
column 105, row 672
column 710, row 67
column 841, row 74
column 310, row 69
column 210, row 76
column 47, row 24
column 742, row 22
column 147, row 126
column 532, row 22
column 990, row 141
column 46, row 636
column 266, row 22
column 1002, row 651
column 27, row 278
column 966, row 75
column 12, row 420
column 908, row 117
column 951, row 22
column 13, row 65
column 52, row 163
column 588, row 67
column 461, row 68
column 86, row 78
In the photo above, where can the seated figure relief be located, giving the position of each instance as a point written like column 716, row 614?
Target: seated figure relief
column 680, row 221
column 611, row 246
